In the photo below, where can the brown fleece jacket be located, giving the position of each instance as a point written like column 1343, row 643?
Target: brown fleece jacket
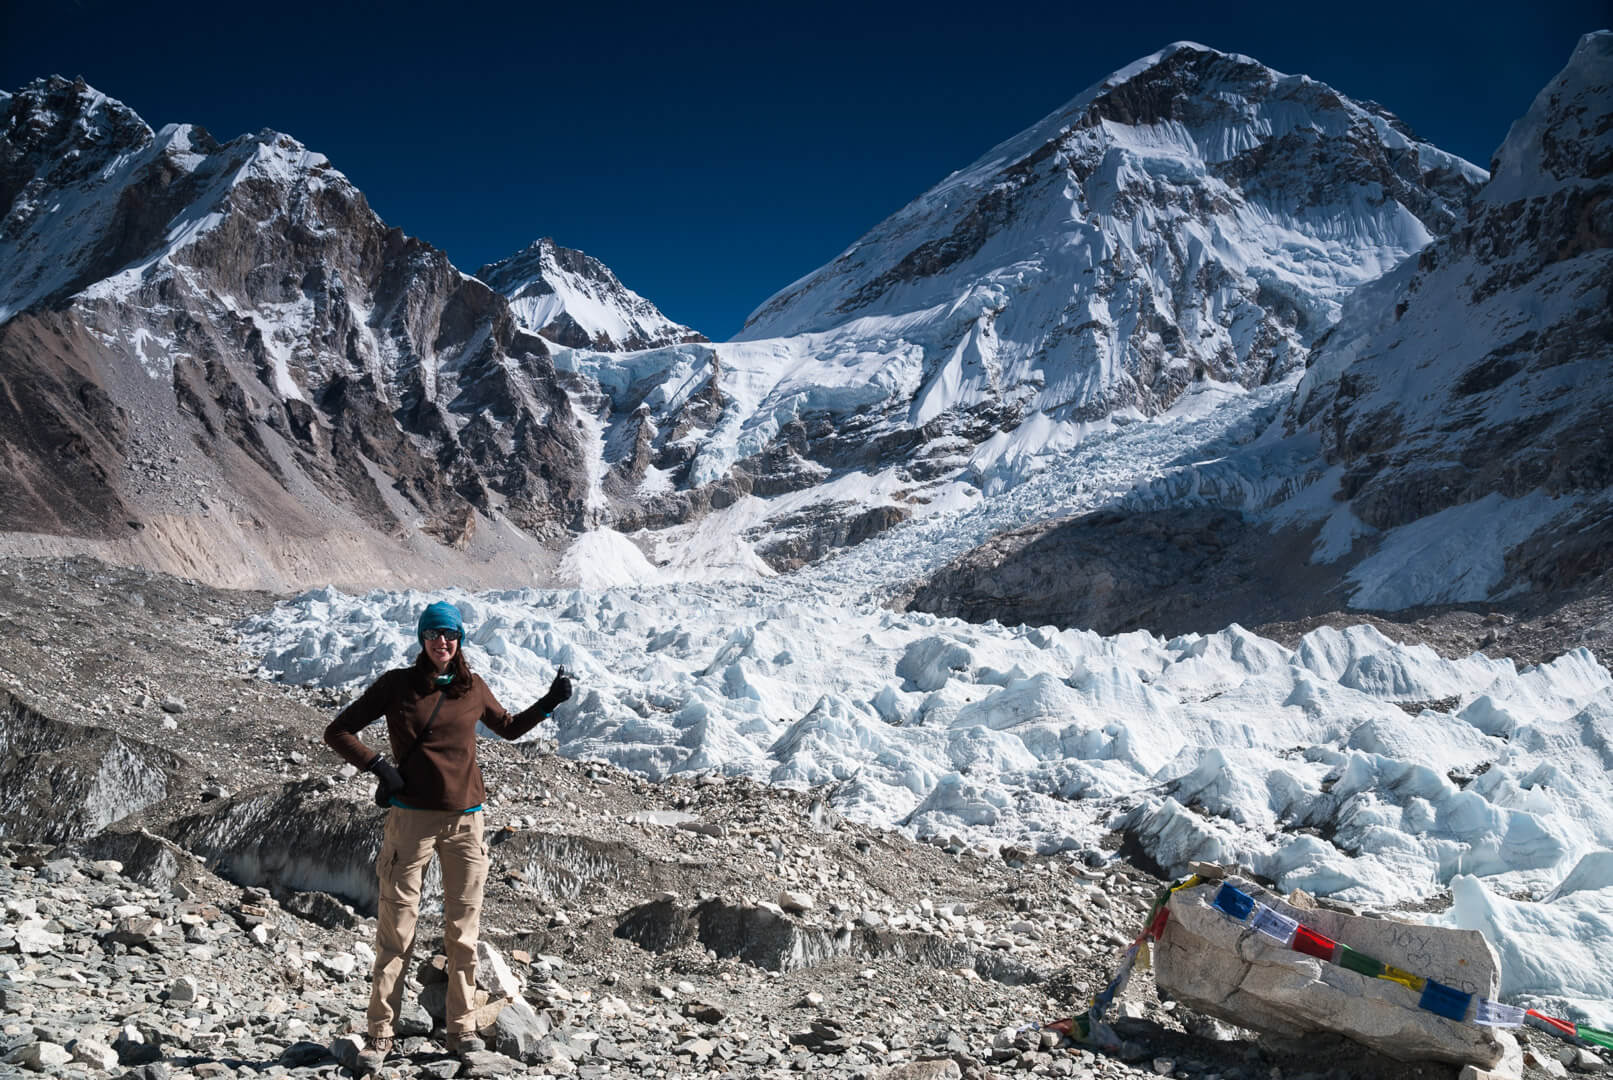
column 442, row 774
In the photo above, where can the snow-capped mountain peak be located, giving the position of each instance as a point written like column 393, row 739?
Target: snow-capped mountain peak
column 575, row 300
column 1193, row 220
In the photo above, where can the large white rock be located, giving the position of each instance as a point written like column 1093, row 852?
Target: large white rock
column 34, row 939
column 40, row 1056
column 493, row 974
column 97, row 1055
column 1225, row 968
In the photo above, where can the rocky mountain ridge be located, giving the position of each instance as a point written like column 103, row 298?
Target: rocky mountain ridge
column 220, row 361
column 228, row 350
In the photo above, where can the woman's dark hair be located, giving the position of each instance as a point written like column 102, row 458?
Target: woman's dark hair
column 458, row 665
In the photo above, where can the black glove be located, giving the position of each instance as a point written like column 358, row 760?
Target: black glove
column 559, row 691
column 391, row 780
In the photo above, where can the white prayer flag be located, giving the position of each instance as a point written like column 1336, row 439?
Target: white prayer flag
column 1273, row 925
column 1494, row 1014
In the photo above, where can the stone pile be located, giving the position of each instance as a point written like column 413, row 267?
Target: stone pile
column 103, row 977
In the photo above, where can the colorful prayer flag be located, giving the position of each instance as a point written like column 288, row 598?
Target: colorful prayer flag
column 1404, row 978
column 1273, row 924
column 1106, row 996
column 1234, row 902
column 1311, row 943
column 1359, row 962
column 1494, row 1014
column 1595, row 1035
column 1551, row 1023
column 1157, row 927
column 1446, row 1001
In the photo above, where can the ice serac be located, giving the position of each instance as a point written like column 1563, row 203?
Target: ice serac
column 1480, row 369
column 575, row 300
column 218, row 360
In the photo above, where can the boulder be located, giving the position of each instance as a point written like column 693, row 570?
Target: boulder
column 40, row 1056
column 1510, row 1067
column 32, row 938
column 1225, row 968
column 95, row 1054
column 518, row 1031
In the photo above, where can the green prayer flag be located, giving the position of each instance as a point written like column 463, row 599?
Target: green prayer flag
column 1359, row 962
column 1594, row 1035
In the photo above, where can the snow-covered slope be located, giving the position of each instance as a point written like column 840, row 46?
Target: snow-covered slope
column 1447, row 444
column 577, row 301
column 1195, row 218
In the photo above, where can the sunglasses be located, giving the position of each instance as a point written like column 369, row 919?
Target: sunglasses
column 446, row 635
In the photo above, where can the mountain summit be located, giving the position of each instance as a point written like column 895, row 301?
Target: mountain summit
column 1194, row 215
column 575, row 300
column 218, row 361
column 1448, row 443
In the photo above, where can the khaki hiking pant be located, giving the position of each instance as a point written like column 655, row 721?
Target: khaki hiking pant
column 411, row 837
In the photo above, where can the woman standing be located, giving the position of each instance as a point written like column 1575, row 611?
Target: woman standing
column 435, row 793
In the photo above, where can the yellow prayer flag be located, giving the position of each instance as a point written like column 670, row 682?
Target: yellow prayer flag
column 1404, row 978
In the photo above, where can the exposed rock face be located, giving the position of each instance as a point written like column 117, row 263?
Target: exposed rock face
column 1112, row 571
column 61, row 781
column 1481, row 368
column 227, row 334
column 576, row 301
column 1228, row 970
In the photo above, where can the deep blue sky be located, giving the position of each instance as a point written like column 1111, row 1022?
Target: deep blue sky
column 711, row 154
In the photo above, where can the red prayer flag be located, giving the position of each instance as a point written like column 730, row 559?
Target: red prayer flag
column 1157, row 927
column 1311, row 943
column 1561, row 1025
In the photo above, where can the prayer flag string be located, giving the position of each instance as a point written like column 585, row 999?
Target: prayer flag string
column 1240, row 907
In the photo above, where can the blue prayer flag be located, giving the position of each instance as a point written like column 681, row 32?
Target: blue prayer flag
column 1234, row 902
column 1446, row 1001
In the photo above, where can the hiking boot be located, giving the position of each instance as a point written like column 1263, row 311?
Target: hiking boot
column 468, row 1043
column 373, row 1056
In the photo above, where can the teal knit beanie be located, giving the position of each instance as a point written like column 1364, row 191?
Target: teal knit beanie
column 439, row 616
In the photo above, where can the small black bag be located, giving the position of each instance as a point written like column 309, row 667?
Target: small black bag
column 383, row 794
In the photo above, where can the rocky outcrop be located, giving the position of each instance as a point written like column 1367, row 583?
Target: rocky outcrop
column 1224, row 968
column 62, row 781
column 1171, row 572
